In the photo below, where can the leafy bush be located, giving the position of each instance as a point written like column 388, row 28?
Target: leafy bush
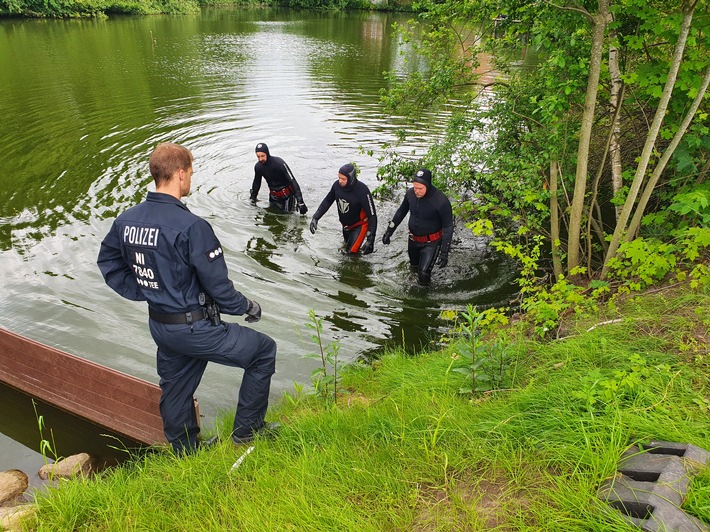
column 602, row 392
column 644, row 262
column 487, row 364
column 52, row 8
column 94, row 8
column 324, row 384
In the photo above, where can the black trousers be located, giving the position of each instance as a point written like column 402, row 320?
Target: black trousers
column 422, row 256
column 183, row 354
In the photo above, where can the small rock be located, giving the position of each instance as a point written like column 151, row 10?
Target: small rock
column 71, row 466
column 11, row 516
column 13, row 484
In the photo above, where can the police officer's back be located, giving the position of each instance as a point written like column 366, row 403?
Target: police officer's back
column 160, row 252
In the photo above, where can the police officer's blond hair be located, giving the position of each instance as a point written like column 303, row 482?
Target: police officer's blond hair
column 166, row 159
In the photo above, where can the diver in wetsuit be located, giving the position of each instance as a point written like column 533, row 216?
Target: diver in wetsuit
column 356, row 211
column 431, row 225
column 284, row 191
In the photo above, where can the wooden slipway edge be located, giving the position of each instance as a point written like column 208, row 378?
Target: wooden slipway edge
column 117, row 401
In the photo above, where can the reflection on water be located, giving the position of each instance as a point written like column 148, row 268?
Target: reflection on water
column 84, row 102
column 283, row 235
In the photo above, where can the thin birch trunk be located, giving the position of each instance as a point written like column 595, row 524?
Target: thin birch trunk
column 625, row 214
column 555, row 221
column 585, row 134
column 615, row 99
column 593, row 203
column 648, row 190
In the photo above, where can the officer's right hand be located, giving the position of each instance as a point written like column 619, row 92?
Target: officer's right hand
column 314, row 225
column 386, row 237
column 252, row 197
column 253, row 312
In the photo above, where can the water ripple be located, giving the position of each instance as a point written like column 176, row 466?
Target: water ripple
column 77, row 131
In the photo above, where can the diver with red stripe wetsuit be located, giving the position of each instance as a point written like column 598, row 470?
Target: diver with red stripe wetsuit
column 356, row 211
column 431, row 225
column 284, row 191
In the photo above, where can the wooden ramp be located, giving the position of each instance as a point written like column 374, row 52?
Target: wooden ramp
column 119, row 402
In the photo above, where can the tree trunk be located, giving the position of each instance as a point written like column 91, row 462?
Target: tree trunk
column 648, row 190
column 580, row 178
column 592, row 222
column 625, row 213
column 555, row 221
column 615, row 103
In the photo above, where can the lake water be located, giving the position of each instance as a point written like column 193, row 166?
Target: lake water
column 84, row 102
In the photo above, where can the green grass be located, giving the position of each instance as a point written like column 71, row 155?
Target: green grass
column 403, row 450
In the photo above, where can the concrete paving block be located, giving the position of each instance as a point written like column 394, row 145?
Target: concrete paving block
column 686, row 451
column 653, row 483
column 627, row 489
column 665, row 474
column 650, row 511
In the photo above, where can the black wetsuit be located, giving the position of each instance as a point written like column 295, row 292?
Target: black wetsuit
column 284, row 191
column 356, row 211
column 431, row 228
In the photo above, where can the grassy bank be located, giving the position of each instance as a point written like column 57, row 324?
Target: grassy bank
column 403, row 449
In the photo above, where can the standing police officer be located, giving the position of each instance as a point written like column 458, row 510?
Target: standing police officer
column 159, row 252
column 356, row 211
column 431, row 226
column 284, row 191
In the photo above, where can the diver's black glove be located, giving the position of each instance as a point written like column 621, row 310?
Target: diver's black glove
column 368, row 246
column 302, row 208
column 443, row 259
column 253, row 312
column 388, row 234
column 314, row 225
column 252, row 197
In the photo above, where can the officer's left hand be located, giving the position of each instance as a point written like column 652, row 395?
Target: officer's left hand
column 253, row 312
column 443, row 260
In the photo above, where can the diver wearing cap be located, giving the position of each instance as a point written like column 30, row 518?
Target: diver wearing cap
column 431, row 225
column 356, row 211
column 284, row 191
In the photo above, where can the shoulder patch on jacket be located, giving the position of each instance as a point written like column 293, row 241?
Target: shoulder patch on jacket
column 214, row 254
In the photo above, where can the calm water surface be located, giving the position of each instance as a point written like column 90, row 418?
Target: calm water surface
column 82, row 105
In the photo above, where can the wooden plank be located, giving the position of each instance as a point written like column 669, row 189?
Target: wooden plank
column 119, row 402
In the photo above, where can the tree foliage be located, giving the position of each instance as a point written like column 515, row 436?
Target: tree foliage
column 591, row 131
column 102, row 8
column 93, row 8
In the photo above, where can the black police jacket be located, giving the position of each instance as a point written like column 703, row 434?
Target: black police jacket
column 160, row 252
